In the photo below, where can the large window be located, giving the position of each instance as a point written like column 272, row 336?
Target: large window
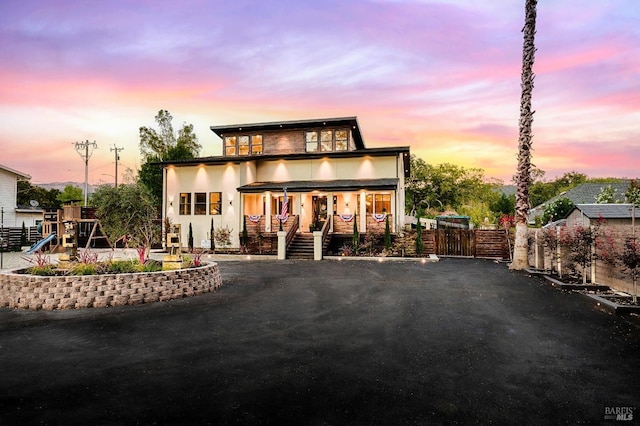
column 215, row 203
column 378, row 203
column 185, row 203
column 342, row 141
column 327, row 140
column 230, row 145
column 256, row 144
column 312, row 141
column 200, row 203
column 243, row 145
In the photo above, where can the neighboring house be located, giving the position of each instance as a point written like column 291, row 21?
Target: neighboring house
column 614, row 214
column 11, row 214
column 328, row 173
column 584, row 193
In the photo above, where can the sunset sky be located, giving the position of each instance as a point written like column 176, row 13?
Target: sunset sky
column 442, row 77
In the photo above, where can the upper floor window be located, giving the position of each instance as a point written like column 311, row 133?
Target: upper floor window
column 256, row 144
column 342, row 141
column 327, row 140
column 311, row 139
column 230, row 145
column 243, row 145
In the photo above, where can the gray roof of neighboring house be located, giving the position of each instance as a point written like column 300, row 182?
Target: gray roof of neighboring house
column 584, row 193
column 607, row 211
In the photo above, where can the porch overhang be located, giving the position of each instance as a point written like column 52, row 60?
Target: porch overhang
column 322, row 185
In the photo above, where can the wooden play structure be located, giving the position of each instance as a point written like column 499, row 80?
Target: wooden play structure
column 86, row 228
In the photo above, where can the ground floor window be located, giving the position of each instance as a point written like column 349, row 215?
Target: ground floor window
column 200, row 203
column 215, row 203
column 185, row 203
column 378, row 203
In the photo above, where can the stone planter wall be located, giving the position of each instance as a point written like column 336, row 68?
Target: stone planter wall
column 98, row 291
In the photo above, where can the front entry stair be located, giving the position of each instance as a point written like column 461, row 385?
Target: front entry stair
column 301, row 246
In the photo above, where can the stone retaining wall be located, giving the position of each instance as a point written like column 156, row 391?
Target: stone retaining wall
column 98, row 291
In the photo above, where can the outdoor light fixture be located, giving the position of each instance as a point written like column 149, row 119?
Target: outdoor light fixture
column 230, row 202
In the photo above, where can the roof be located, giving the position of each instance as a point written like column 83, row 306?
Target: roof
column 221, row 160
column 607, row 211
column 321, row 185
column 585, row 193
column 15, row 172
column 352, row 122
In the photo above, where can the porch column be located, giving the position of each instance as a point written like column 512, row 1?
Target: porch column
column 362, row 213
column 267, row 211
column 282, row 245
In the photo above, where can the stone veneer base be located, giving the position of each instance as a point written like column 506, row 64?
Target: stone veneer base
column 23, row 291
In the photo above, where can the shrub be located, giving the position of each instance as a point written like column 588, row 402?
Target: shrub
column 44, row 270
column 122, row 266
column 84, row 269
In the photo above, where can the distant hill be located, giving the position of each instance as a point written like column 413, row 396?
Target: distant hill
column 61, row 185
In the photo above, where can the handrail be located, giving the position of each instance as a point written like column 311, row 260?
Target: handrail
column 291, row 232
column 325, row 228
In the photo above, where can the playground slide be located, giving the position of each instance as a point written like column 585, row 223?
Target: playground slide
column 37, row 246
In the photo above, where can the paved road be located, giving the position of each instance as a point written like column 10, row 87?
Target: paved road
column 327, row 343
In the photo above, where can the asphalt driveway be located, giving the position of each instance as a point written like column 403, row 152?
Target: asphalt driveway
column 328, row 343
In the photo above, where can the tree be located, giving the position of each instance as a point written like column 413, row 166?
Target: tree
column 355, row 239
column 631, row 261
column 127, row 210
column 523, row 180
column 70, row 194
column 504, row 205
column 190, row 238
column 164, row 145
column 632, row 195
column 432, row 189
column 46, row 198
column 387, row 234
column 419, row 243
column 557, row 210
column 607, row 195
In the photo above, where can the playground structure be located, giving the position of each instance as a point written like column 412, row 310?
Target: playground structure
column 70, row 228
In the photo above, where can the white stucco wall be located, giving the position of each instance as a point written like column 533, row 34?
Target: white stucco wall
column 228, row 177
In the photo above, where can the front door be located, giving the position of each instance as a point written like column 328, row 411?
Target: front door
column 319, row 213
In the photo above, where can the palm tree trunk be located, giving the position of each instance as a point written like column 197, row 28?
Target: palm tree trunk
column 523, row 177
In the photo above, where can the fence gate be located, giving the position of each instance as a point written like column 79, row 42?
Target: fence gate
column 455, row 242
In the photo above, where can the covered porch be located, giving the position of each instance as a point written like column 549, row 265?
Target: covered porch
column 341, row 202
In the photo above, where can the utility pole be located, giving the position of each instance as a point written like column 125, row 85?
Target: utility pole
column 117, row 157
column 85, row 153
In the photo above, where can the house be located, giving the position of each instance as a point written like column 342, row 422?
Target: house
column 585, row 193
column 314, row 171
column 614, row 214
column 12, row 215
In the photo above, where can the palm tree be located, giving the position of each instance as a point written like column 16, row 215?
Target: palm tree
column 523, row 177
